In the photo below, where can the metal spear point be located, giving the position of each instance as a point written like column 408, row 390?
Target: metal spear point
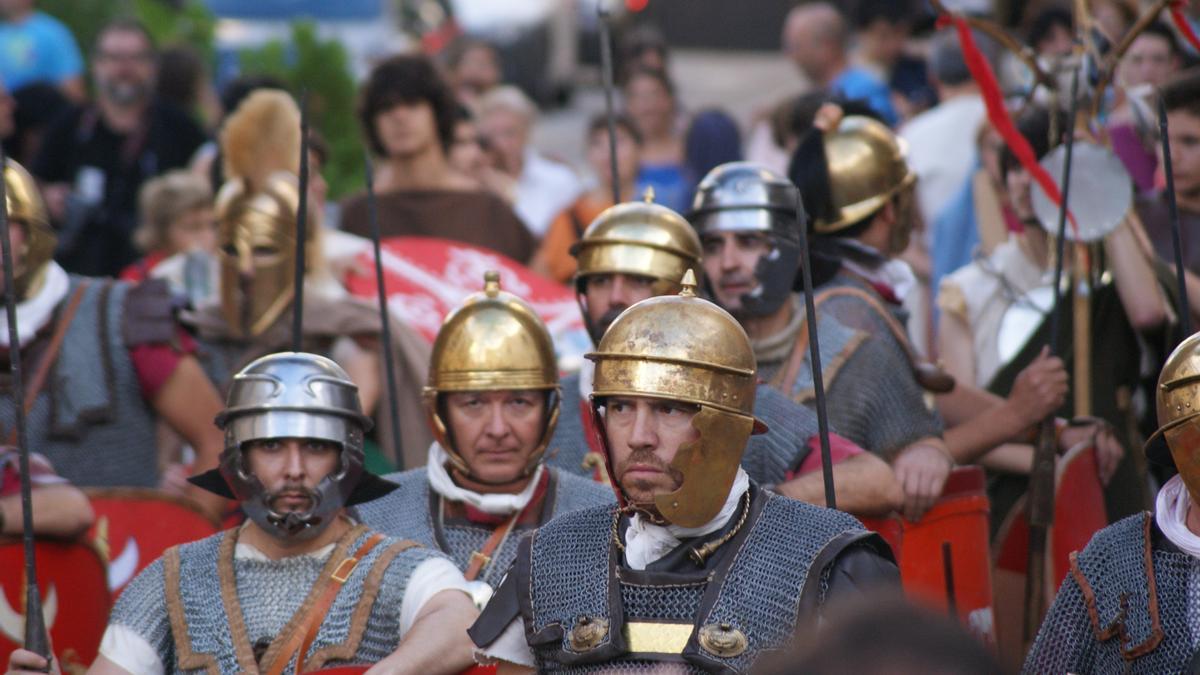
column 301, row 231
column 814, row 355
column 1185, row 309
column 384, row 315
column 606, row 73
column 36, row 639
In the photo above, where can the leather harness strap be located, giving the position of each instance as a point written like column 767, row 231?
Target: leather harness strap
column 306, row 632
column 34, row 388
column 480, row 558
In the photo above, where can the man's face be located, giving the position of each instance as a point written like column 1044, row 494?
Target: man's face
column 1148, row 61
column 290, row 470
column 1184, row 135
column 507, row 132
column 644, row 435
column 610, row 294
column 407, row 129
column 124, row 68
column 628, row 157
column 1020, row 198
column 730, row 261
column 886, row 40
column 496, row 432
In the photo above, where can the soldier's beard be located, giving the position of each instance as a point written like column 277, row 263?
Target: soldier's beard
column 640, row 492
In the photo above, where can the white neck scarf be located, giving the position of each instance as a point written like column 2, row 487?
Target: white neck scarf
column 894, row 273
column 1170, row 512
column 646, row 542
column 495, row 504
column 34, row 313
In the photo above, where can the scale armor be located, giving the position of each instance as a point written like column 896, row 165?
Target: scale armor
column 92, row 405
column 768, row 458
column 410, row 513
column 1114, row 565
column 269, row 592
column 764, row 586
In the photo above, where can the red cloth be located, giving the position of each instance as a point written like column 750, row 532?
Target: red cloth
column 140, row 270
column 156, row 363
column 41, row 472
column 840, row 449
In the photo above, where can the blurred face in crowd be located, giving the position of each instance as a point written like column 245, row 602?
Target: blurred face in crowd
column 730, row 261
column 478, row 70
column 1019, row 184
column 15, row 9
column 290, row 469
column 609, row 294
column 496, row 432
column 883, row 41
column 650, row 105
column 1057, row 42
column 628, row 157
column 507, row 132
column 194, row 230
column 1184, row 134
column 467, row 154
column 644, row 435
column 810, row 40
column 1148, row 61
column 124, row 68
column 407, row 129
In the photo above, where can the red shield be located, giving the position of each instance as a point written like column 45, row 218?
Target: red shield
column 958, row 525
column 129, row 540
column 75, row 599
column 427, row 277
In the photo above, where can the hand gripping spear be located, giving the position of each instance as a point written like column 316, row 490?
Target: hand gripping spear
column 814, row 354
column 384, row 316
column 1041, row 477
column 1185, row 309
column 36, row 639
column 301, row 231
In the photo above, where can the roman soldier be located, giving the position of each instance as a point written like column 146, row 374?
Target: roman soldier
column 493, row 403
column 257, row 211
column 748, row 218
column 300, row 585
column 1128, row 603
column 105, row 362
column 697, row 565
column 638, row 250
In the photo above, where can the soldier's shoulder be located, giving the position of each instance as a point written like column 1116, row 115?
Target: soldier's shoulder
column 805, row 515
column 578, row 519
column 581, row 487
column 1128, row 533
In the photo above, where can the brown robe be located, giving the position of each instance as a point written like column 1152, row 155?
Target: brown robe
column 472, row 217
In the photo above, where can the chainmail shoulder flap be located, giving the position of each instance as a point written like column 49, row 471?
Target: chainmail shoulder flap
column 770, row 456
column 403, row 512
column 1123, row 608
column 568, row 446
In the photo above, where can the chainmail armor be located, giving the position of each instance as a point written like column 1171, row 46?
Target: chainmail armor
column 406, row 513
column 1114, row 565
column 767, row 459
column 572, row 566
column 270, row 592
column 91, row 405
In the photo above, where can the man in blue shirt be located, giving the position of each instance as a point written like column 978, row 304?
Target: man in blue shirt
column 37, row 48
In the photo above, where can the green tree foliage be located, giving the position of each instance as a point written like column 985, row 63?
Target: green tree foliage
column 321, row 69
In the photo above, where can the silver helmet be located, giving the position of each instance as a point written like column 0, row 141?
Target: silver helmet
column 294, row 395
column 747, row 197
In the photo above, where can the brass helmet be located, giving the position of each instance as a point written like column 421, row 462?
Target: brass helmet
column 867, row 167
column 637, row 238
column 1178, row 401
column 25, row 206
column 684, row 348
column 492, row 342
column 256, row 238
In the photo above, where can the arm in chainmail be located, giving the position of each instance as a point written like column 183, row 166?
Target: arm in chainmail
column 1065, row 643
column 876, row 401
column 142, row 610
